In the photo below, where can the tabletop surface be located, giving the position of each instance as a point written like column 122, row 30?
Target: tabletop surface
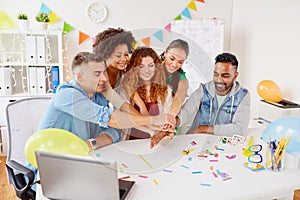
column 178, row 169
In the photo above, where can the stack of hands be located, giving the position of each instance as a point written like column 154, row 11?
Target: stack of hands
column 165, row 130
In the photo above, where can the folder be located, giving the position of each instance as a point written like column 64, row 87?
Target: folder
column 40, row 49
column 55, row 78
column 5, row 81
column 30, row 49
column 41, row 80
column 33, row 80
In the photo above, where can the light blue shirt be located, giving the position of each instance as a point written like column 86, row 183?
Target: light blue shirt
column 71, row 109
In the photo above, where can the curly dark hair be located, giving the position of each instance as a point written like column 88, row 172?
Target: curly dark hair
column 107, row 41
column 131, row 83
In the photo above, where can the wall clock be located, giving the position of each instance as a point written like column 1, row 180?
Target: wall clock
column 97, row 12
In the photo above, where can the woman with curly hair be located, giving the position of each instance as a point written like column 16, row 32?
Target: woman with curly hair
column 114, row 46
column 146, row 79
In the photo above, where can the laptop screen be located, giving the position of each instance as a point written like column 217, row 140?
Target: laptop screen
column 77, row 177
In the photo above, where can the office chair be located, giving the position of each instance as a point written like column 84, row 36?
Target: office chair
column 23, row 118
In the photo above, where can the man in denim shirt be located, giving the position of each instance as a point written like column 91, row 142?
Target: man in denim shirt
column 221, row 106
column 79, row 107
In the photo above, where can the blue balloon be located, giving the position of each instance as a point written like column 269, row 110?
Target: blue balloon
column 284, row 126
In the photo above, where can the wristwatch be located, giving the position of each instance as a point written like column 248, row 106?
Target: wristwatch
column 93, row 143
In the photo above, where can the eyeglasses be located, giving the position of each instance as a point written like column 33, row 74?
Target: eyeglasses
column 255, row 157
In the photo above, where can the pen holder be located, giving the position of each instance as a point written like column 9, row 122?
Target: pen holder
column 275, row 161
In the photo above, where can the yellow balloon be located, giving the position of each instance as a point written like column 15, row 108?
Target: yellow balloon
column 56, row 141
column 269, row 91
column 5, row 22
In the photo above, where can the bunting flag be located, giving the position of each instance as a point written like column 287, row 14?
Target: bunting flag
column 53, row 17
column 67, row 28
column 178, row 17
column 146, row 41
column 186, row 13
column 136, row 44
column 82, row 37
column 44, row 9
column 93, row 40
column 192, row 5
column 159, row 35
column 200, row 1
column 168, row 27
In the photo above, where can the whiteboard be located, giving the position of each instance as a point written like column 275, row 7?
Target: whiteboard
column 208, row 33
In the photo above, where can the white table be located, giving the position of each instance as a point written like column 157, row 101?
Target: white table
column 165, row 173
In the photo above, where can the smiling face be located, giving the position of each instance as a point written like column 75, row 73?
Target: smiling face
column 92, row 77
column 174, row 59
column 119, row 57
column 147, row 69
column 224, row 76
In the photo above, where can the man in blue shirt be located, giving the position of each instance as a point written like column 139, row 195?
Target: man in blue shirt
column 79, row 107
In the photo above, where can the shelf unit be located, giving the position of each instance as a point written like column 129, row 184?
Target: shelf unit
column 31, row 64
column 27, row 60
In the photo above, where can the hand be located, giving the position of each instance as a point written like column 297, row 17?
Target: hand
column 167, row 128
column 160, row 120
column 158, row 136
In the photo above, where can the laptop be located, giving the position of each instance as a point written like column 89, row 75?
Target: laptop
column 78, row 177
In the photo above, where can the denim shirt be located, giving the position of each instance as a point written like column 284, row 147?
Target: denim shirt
column 71, row 109
column 231, row 118
column 208, row 113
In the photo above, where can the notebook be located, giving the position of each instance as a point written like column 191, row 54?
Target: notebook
column 78, row 177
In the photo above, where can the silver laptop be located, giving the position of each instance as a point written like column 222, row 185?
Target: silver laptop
column 78, row 177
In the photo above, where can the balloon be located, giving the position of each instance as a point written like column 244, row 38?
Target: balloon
column 5, row 22
column 285, row 126
column 269, row 91
column 56, row 141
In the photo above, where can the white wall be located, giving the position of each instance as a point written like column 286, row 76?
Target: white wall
column 263, row 34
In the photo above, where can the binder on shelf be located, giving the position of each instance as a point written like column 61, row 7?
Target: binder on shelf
column 40, row 49
column 33, row 80
column 30, row 49
column 5, row 81
column 41, row 80
column 55, row 78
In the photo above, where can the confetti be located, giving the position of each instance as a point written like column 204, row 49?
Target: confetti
column 184, row 166
column 155, row 181
column 147, row 163
column 142, row 176
column 166, row 170
column 124, row 165
column 205, row 184
column 125, row 177
column 196, row 172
